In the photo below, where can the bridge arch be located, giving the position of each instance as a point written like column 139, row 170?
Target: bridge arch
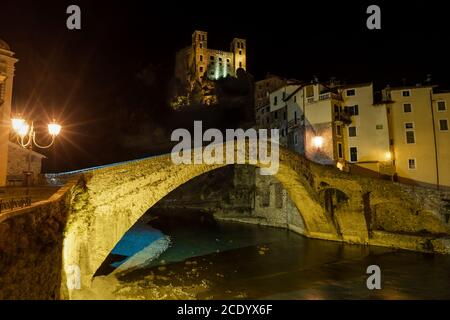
column 106, row 202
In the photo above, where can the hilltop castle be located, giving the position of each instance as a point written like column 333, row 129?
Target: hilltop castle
column 197, row 62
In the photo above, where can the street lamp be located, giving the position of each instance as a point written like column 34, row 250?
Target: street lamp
column 317, row 142
column 26, row 137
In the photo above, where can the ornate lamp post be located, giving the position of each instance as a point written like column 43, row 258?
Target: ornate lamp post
column 26, row 137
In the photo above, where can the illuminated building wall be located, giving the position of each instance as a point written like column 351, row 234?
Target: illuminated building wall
column 198, row 62
column 367, row 135
column 419, row 121
column 7, row 62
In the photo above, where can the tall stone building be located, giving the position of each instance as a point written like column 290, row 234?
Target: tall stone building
column 197, row 62
column 7, row 62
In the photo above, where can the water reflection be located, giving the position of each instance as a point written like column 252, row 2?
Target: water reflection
column 217, row 260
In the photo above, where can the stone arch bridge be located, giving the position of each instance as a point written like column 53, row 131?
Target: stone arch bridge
column 99, row 205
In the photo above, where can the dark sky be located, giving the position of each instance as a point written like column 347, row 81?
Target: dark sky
column 122, row 59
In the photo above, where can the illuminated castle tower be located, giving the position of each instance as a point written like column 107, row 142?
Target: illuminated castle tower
column 7, row 62
column 198, row 62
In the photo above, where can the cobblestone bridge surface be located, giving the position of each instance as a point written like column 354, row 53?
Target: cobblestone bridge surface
column 80, row 224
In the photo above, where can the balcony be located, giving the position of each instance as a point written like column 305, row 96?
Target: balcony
column 323, row 97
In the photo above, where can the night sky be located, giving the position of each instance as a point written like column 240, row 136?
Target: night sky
column 119, row 66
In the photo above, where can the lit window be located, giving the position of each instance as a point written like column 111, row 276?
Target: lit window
column 353, row 154
column 406, row 93
column 352, row 131
column 441, row 106
column 350, row 92
column 443, row 124
column 411, row 164
column 407, row 107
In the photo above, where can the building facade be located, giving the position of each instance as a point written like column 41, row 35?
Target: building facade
column 7, row 62
column 419, row 133
column 199, row 62
column 366, row 135
column 403, row 134
column 263, row 88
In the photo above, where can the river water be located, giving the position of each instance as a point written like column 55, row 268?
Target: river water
column 187, row 255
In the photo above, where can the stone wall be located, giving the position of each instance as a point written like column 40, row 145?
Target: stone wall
column 18, row 161
column 31, row 242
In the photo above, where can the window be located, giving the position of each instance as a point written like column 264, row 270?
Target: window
column 338, row 130
column 220, row 59
column 240, row 52
column 352, row 110
column 441, row 106
column 295, row 98
column 295, row 117
column 203, row 37
column 201, row 69
column 201, row 45
column 407, row 107
column 340, row 155
column 410, row 135
column 284, row 95
column 406, row 93
column 410, row 138
column 240, row 64
column 379, row 127
column 352, row 131
column 411, row 164
column 353, row 154
column 242, row 45
column 275, row 100
column 443, row 124
column 228, row 60
column 211, row 58
column 350, row 92
column 295, row 138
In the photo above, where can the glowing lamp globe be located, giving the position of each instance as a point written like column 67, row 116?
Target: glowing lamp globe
column 54, row 129
column 17, row 123
column 23, row 130
column 318, row 142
